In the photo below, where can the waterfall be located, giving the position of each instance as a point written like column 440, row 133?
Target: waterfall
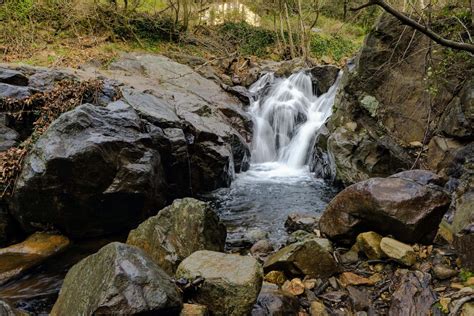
column 287, row 116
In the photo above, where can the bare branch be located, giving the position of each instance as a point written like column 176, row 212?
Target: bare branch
column 419, row 27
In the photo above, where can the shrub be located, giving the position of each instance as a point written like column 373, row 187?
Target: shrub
column 251, row 40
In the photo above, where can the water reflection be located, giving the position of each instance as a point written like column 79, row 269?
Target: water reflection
column 234, row 11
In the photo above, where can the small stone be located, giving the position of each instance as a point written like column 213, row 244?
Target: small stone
column 398, row 251
column 350, row 257
column 333, row 283
column 261, row 249
column 275, row 277
column 379, row 267
column 376, row 278
column 318, row 309
column 296, row 221
column 309, row 284
column 194, row 310
column 349, row 278
column 443, row 272
column 469, row 282
column 272, row 301
column 444, row 302
column 255, row 234
column 416, row 144
column 294, row 287
column 467, row 309
column 334, row 296
column 369, row 244
column 360, row 298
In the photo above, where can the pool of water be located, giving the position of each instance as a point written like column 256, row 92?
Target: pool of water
column 263, row 197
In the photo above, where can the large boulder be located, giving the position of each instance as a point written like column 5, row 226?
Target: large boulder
column 404, row 205
column 186, row 226
column 93, row 172
column 231, row 282
column 310, row 257
column 382, row 108
column 118, row 279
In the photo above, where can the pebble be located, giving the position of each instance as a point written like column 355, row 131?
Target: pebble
column 349, row 278
column 294, row 287
column 398, row 251
column 275, row 277
column 443, row 272
column 318, row 309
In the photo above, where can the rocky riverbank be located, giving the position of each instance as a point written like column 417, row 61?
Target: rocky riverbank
column 94, row 152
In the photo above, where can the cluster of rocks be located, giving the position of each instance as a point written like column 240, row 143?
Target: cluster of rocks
column 379, row 258
column 159, row 131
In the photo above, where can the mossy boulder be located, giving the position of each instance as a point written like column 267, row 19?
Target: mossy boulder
column 118, row 279
column 186, row 226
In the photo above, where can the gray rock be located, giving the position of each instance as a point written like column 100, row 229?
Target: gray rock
column 118, row 279
column 408, row 210
column 296, row 221
column 15, row 92
column 13, row 77
column 274, row 302
column 186, row 226
column 413, row 296
column 92, row 173
column 231, row 282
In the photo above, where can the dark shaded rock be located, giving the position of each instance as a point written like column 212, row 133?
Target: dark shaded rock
column 323, row 78
column 15, row 92
column 92, row 173
column 360, row 298
column 307, row 257
column 186, row 226
column 273, row 302
column 464, row 245
column 8, row 137
column 13, row 77
column 408, row 210
column 118, row 279
column 413, row 294
column 231, row 282
column 296, row 221
column 423, row 177
column 240, row 92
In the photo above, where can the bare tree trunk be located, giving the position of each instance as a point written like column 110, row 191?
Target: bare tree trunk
column 303, row 37
column 282, row 31
column 290, row 33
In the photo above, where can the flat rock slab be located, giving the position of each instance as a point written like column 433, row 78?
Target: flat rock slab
column 18, row 258
column 231, row 282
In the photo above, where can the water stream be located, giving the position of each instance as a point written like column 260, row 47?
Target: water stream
column 287, row 115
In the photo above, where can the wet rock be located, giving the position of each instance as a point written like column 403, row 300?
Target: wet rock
column 19, row 258
column 303, row 258
column 231, row 282
column 318, row 309
column 13, row 77
column 398, row 251
column 273, row 302
column 262, row 249
column 369, row 244
column 184, row 227
column 255, row 234
column 194, row 310
column 118, row 279
column 412, row 214
column 323, row 77
column 240, row 92
column 92, row 173
column 413, row 294
column 296, row 221
column 443, row 272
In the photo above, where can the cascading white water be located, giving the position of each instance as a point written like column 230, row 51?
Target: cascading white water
column 287, row 115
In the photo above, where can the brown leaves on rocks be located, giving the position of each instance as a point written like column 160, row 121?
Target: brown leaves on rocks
column 42, row 108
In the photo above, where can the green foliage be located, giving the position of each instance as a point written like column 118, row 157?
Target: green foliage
column 251, row 40
column 334, row 46
column 464, row 275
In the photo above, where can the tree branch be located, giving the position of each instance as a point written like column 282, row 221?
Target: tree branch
column 417, row 26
